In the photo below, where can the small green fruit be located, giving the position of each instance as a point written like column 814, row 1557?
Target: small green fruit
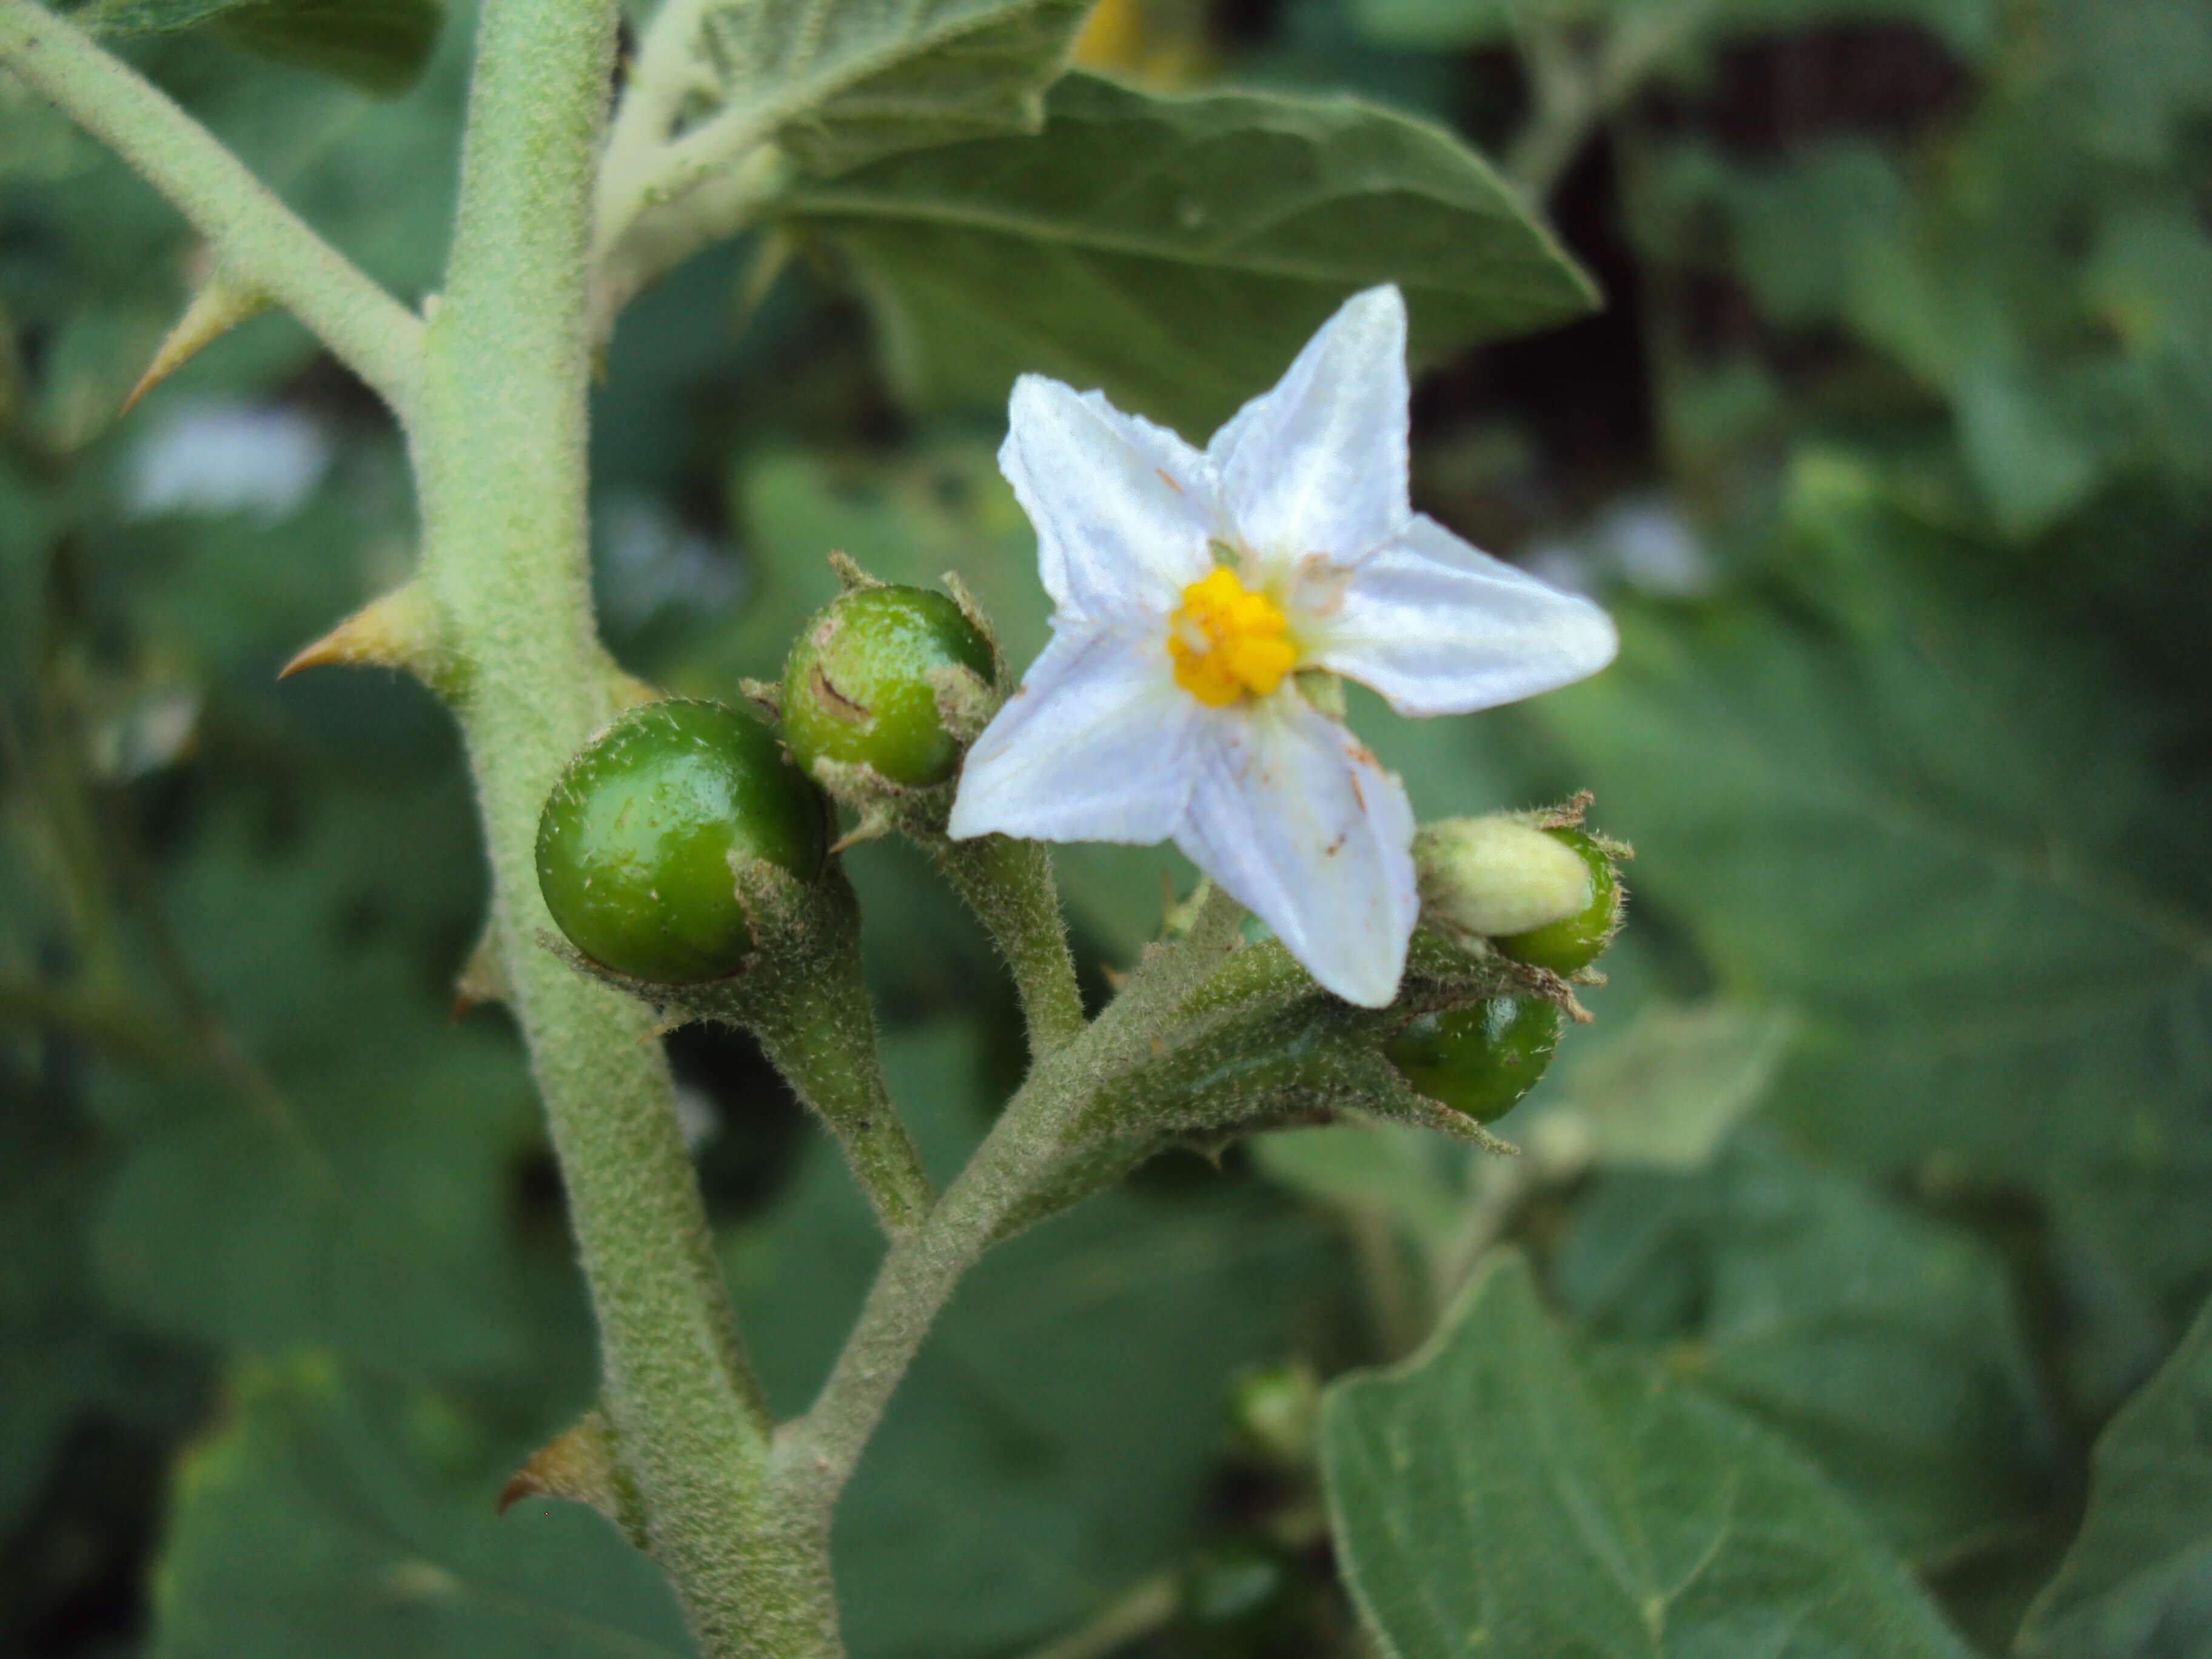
column 1572, row 943
column 633, row 846
column 1479, row 1060
column 1276, row 1412
column 858, row 685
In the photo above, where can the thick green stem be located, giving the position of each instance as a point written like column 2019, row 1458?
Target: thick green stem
column 844, row 1087
column 816, row 1025
column 499, row 450
column 815, row 1456
column 256, row 239
column 1009, row 886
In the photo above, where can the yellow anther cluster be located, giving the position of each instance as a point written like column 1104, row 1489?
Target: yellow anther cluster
column 1227, row 640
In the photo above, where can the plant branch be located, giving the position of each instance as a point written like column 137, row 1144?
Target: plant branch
column 645, row 166
column 255, row 237
column 1145, row 1606
column 843, row 1083
column 815, row 1456
column 1009, row 884
column 500, row 454
column 119, row 1027
column 1398, row 1322
column 1574, row 92
column 807, row 1002
column 646, row 218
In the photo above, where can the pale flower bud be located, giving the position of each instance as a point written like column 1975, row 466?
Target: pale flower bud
column 1496, row 877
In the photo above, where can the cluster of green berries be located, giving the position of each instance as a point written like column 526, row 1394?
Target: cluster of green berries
column 1482, row 1059
column 636, row 841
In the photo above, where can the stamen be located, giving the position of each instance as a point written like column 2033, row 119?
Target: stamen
column 1227, row 642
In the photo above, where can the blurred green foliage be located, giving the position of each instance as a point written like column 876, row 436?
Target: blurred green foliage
column 1892, row 450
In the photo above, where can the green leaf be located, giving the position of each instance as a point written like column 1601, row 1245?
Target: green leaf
column 1054, row 1440
column 1177, row 252
column 2132, row 72
column 1669, row 1086
column 382, row 45
column 1968, row 26
column 1885, row 1344
column 1417, row 1178
column 379, row 45
column 37, row 145
column 361, row 1200
column 370, row 1217
column 327, row 1518
column 150, row 16
column 1941, row 830
column 1449, row 25
column 836, row 82
column 58, row 1355
column 1501, row 1494
column 2137, row 1583
column 723, row 89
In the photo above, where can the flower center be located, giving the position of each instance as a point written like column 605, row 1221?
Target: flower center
column 1227, row 640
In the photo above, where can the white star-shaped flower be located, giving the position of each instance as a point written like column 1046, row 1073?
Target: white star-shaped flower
column 1189, row 591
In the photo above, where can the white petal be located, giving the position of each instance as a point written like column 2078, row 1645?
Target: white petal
column 1095, row 746
column 1441, row 628
column 1123, row 508
column 1299, row 823
column 1318, row 464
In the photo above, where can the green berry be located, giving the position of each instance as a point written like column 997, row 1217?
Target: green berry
column 1573, row 942
column 858, row 685
column 1479, row 1060
column 634, row 846
column 1276, row 1412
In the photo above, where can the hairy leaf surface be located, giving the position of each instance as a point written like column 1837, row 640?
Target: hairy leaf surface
column 1937, row 827
column 1502, row 1494
column 331, row 1517
column 1178, row 251
column 721, row 88
column 1886, row 1346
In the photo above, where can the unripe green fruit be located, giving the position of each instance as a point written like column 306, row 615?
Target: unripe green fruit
column 635, row 844
column 1276, row 1412
column 1573, row 942
column 1479, row 1060
column 857, row 687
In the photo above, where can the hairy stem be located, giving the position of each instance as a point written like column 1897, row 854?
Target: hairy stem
column 844, row 1086
column 1009, row 884
column 647, row 220
column 501, row 455
column 815, row 1456
column 261, row 242
column 816, row 1025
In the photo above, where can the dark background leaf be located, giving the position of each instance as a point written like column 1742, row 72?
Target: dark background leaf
column 379, row 45
column 2138, row 1582
column 332, row 1516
